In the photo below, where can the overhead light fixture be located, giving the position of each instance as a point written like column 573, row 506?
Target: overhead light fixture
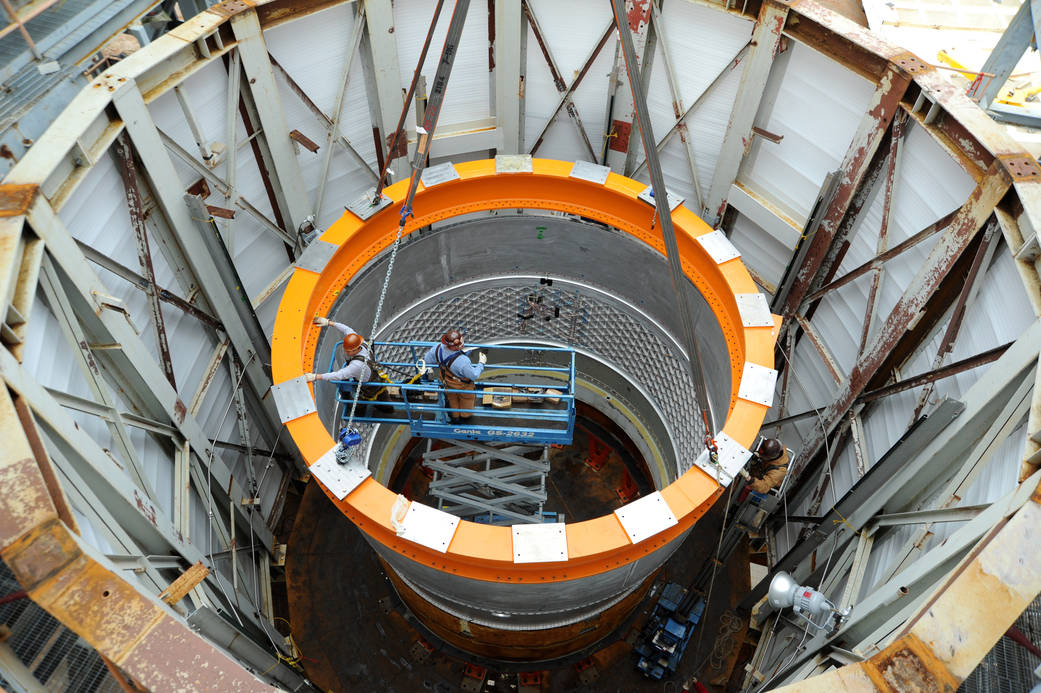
column 806, row 602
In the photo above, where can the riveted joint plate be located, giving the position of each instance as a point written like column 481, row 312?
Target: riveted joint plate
column 340, row 479
column 718, row 247
column 541, row 543
column 428, row 527
column 362, row 206
column 757, row 384
column 1021, row 168
column 293, row 399
column 911, row 63
column 645, row 517
column 513, row 163
column 316, row 256
column 230, row 8
column 648, row 196
column 732, row 456
column 15, row 200
column 435, row 175
column 754, row 310
column 594, row 173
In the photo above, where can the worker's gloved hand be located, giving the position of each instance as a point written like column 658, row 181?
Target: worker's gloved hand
column 745, row 474
column 482, row 357
column 311, row 377
column 321, row 322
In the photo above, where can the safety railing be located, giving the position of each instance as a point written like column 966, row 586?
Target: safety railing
column 412, row 392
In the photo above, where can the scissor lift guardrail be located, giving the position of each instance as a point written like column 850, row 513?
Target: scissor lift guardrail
column 420, row 401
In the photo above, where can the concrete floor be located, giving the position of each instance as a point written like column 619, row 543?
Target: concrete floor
column 356, row 635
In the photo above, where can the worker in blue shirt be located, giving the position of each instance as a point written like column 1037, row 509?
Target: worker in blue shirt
column 457, row 373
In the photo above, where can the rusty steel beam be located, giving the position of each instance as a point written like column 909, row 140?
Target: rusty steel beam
column 622, row 116
column 895, row 140
column 558, row 79
column 909, row 308
column 926, row 233
column 982, row 257
column 125, row 156
column 80, row 587
column 930, row 377
column 820, row 347
column 883, row 108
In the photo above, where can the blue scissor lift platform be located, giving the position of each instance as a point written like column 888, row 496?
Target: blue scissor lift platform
column 516, row 399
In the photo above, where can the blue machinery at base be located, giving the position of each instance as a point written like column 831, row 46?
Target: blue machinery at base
column 421, row 400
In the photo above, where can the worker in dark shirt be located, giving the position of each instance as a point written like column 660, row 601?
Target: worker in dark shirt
column 768, row 468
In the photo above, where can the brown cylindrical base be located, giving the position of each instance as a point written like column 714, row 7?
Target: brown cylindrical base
column 517, row 645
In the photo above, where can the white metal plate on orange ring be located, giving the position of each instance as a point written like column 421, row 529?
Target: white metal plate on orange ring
column 362, row 206
column 316, row 256
column 435, row 175
column 340, row 479
column 757, row 384
column 594, row 173
column 731, row 454
column 428, row 527
column 541, row 543
column 646, row 517
column 647, row 195
column 293, row 399
column 754, row 310
column 718, row 247
column 513, row 163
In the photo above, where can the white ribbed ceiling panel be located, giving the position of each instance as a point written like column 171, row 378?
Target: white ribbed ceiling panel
column 816, row 105
column 702, row 45
column 319, row 72
column 571, row 31
column 467, row 97
column 763, row 254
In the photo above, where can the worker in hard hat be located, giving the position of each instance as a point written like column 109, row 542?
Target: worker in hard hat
column 358, row 364
column 768, row 467
column 457, row 372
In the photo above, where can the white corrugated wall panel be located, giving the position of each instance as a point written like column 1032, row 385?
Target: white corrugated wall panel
column 701, row 42
column 319, row 73
column 816, row 105
column 761, row 252
column 571, row 31
column 467, row 97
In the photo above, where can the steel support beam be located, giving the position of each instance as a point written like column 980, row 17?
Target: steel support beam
column 166, row 187
column 509, row 87
column 78, row 586
column 288, row 183
column 969, row 220
column 380, row 53
column 1006, row 54
column 620, row 152
column 952, row 628
column 766, row 38
column 884, row 105
column 132, row 361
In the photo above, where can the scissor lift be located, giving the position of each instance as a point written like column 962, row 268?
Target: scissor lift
column 517, row 401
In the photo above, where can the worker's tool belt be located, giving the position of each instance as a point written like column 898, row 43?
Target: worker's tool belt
column 368, row 391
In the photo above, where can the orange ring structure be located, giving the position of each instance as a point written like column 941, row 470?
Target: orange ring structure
column 485, row 552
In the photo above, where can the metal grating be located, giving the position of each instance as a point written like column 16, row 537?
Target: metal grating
column 1009, row 667
column 564, row 316
column 58, row 658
